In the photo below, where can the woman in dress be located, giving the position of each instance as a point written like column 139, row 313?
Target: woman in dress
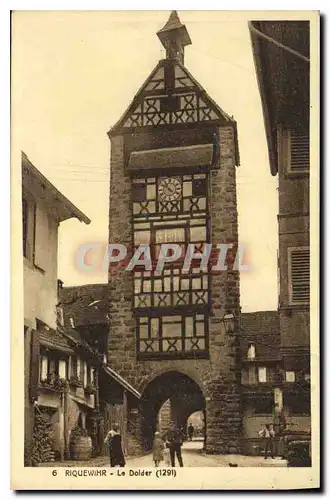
column 158, row 449
column 113, row 440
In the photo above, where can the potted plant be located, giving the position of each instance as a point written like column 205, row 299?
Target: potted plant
column 60, row 384
column 75, row 382
column 80, row 444
column 54, row 383
column 90, row 389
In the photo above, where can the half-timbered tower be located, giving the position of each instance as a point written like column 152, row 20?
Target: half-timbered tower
column 173, row 158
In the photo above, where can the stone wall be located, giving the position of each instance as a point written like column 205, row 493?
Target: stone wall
column 217, row 376
column 165, row 417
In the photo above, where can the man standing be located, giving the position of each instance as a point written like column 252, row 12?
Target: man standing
column 268, row 434
column 174, row 441
column 190, row 431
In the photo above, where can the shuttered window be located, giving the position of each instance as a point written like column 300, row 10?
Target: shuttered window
column 42, row 241
column 29, row 223
column 298, row 157
column 299, row 281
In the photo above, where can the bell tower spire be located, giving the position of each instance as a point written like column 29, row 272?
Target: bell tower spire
column 174, row 37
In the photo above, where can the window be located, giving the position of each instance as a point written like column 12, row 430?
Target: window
column 74, row 366
column 171, row 288
column 28, row 222
column 290, row 376
column 91, row 375
column 85, row 373
column 43, row 367
column 172, row 334
column 53, row 366
column 298, row 151
column 251, row 353
column 262, row 374
column 171, row 210
column 299, row 281
column 252, row 375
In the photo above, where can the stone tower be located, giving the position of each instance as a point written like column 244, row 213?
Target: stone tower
column 174, row 154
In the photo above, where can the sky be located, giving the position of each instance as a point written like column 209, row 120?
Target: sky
column 73, row 75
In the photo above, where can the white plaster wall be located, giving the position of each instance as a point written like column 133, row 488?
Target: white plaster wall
column 40, row 287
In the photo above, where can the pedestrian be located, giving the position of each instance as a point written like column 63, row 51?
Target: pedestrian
column 158, row 449
column 113, row 440
column 191, row 431
column 279, row 423
column 174, row 440
column 184, row 433
column 268, row 434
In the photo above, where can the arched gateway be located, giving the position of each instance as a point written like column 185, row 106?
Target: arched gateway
column 171, row 396
column 174, row 154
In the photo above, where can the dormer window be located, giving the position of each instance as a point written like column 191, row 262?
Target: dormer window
column 251, row 353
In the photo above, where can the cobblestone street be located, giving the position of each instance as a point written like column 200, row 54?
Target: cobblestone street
column 192, row 457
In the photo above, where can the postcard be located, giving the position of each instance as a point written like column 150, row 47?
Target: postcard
column 165, row 250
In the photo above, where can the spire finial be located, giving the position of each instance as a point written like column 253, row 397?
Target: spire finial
column 174, row 37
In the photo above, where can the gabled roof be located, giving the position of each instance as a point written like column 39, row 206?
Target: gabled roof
column 261, row 328
column 281, row 57
column 53, row 339
column 86, row 304
column 184, row 80
column 36, row 183
column 194, row 104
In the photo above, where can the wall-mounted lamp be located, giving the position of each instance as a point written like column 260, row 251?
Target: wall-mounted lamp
column 229, row 322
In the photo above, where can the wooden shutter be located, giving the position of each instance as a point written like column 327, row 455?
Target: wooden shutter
column 44, row 368
column 42, row 248
column 34, row 365
column 252, row 375
column 299, row 152
column 299, row 275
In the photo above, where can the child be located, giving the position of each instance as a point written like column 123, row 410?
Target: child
column 158, row 449
column 167, row 457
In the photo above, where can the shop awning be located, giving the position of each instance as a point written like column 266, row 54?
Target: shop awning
column 121, row 381
column 180, row 157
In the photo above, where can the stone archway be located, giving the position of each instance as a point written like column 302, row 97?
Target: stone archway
column 181, row 395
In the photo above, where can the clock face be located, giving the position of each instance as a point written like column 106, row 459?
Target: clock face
column 169, row 189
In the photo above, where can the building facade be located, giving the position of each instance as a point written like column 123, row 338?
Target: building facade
column 67, row 395
column 86, row 314
column 281, row 54
column 174, row 155
column 43, row 209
